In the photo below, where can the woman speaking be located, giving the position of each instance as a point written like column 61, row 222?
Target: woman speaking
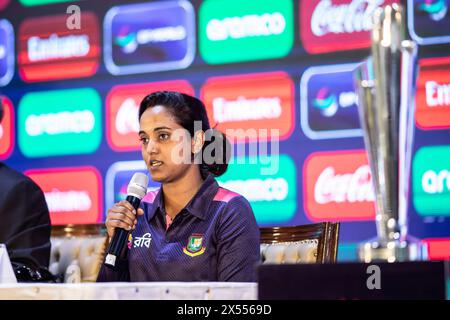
column 190, row 229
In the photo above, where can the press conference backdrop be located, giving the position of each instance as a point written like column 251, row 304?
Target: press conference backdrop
column 72, row 88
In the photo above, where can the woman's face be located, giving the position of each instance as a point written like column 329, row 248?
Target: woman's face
column 165, row 145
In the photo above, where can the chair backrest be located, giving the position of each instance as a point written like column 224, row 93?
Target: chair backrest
column 311, row 243
column 77, row 251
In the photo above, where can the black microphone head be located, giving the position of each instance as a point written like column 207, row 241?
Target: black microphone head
column 138, row 185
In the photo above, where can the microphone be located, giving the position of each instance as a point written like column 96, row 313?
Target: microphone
column 137, row 188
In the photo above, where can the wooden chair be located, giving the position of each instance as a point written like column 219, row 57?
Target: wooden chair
column 77, row 251
column 311, row 243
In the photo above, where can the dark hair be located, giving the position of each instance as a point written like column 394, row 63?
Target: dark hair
column 186, row 110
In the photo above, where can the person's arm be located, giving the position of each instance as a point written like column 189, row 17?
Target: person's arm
column 238, row 242
column 29, row 228
column 119, row 216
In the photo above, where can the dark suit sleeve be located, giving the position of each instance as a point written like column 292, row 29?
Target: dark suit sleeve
column 28, row 229
column 238, row 242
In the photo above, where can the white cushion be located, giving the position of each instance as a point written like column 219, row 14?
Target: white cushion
column 70, row 254
column 304, row 251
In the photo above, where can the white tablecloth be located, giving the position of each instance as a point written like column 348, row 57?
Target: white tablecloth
column 131, row 291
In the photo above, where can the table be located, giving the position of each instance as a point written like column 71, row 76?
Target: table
column 130, row 291
column 354, row 280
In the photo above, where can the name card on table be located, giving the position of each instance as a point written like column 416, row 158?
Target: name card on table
column 6, row 271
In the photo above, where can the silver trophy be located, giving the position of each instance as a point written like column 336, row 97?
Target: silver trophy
column 386, row 88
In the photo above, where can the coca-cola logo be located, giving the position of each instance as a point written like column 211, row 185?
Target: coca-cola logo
column 348, row 187
column 336, row 25
column 338, row 186
column 343, row 18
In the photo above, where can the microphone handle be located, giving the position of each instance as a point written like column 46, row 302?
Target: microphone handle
column 118, row 242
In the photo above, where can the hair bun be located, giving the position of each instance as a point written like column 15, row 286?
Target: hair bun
column 221, row 153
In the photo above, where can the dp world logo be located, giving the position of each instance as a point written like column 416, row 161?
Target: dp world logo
column 326, row 102
column 429, row 21
column 126, row 40
column 149, row 37
column 436, row 9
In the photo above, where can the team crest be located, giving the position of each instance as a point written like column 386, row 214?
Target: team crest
column 194, row 246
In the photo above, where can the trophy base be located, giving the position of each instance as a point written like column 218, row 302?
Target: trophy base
column 409, row 249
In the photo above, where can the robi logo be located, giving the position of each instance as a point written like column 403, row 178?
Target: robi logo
column 338, row 186
column 326, row 103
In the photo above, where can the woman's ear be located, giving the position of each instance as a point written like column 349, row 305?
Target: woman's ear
column 198, row 141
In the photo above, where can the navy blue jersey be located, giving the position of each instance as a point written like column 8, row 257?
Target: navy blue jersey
column 214, row 238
